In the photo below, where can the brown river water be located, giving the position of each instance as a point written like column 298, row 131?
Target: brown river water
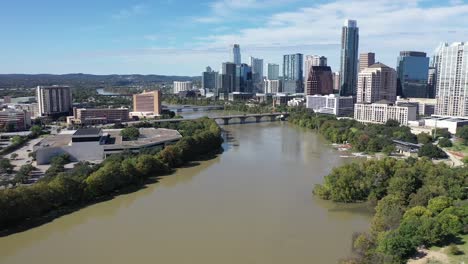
column 251, row 204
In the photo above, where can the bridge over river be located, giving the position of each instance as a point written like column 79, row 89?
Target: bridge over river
column 243, row 118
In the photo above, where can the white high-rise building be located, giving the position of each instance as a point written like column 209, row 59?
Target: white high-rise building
column 375, row 83
column 273, row 86
column 332, row 104
column 451, row 61
column 54, row 100
column 182, row 86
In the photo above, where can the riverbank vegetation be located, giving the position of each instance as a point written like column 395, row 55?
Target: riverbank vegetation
column 418, row 203
column 86, row 184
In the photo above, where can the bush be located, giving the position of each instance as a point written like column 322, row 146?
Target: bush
column 130, row 133
column 431, row 151
column 453, row 249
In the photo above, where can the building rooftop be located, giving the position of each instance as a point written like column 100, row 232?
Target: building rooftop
column 92, row 131
column 378, row 65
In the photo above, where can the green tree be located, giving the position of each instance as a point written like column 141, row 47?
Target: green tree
column 440, row 203
column 424, row 138
column 463, row 134
column 5, row 166
column 13, row 156
column 431, row 151
column 445, row 143
column 130, row 133
column 36, row 130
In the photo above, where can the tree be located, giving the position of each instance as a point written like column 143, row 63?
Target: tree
column 5, row 166
column 392, row 123
column 445, row 143
column 424, row 138
column 431, row 151
column 389, row 149
column 130, row 133
column 36, row 130
column 438, row 204
column 463, row 134
column 13, row 156
column 441, row 132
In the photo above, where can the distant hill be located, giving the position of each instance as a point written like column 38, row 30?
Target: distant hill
column 86, row 80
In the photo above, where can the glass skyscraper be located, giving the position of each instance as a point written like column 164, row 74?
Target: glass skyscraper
column 236, row 54
column 412, row 72
column 451, row 61
column 293, row 74
column 273, row 71
column 349, row 58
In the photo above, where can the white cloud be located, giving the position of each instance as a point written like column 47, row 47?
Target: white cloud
column 130, row 11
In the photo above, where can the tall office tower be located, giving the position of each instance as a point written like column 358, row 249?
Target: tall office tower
column 378, row 82
column 293, row 79
column 147, row 103
column 366, row 60
column 320, row 81
column 452, row 80
column 54, row 100
column 228, row 78
column 210, row 79
column 336, row 82
column 236, row 54
column 257, row 73
column 431, row 82
column 313, row 60
column 243, row 78
column 412, row 71
column 349, row 58
column 273, row 71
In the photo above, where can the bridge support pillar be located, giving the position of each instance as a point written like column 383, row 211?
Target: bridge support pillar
column 242, row 120
column 226, row 121
column 195, row 109
column 258, row 118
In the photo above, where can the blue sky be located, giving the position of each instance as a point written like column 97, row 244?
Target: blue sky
column 182, row 37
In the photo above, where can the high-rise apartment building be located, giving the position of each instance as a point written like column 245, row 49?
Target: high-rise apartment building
column 273, row 86
column 236, row 54
column 320, row 81
column 383, row 111
column 452, row 79
column 147, row 103
column 366, row 59
column 432, row 82
column 228, row 78
column 182, row 86
column 210, row 79
column 349, row 58
column 54, row 100
column 412, row 71
column 378, row 82
column 273, row 71
column 293, row 80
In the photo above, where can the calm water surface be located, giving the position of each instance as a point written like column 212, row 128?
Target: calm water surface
column 252, row 204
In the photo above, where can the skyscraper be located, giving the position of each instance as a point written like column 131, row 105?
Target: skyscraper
column 349, row 58
column 320, row 81
column 431, row 82
column 313, row 60
column 452, row 79
column 228, row 78
column 366, row 60
column 243, row 78
column 210, row 79
column 54, row 100
column 293, row 79
column 257, row 73
column 378, row 82
column 412, row 71
column 273, row 71
column 336, row 81
column 236, row 54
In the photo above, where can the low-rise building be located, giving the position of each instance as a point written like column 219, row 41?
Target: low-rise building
column 14, row 120
column 95, row 144
column 382, row 111
column 94, row 116
column 331, row 104
column 424, row 106
column 452, row 124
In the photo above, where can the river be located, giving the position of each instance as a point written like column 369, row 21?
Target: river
column 251, row 204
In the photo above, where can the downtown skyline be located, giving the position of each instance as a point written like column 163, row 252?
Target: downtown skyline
column 141, row 37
